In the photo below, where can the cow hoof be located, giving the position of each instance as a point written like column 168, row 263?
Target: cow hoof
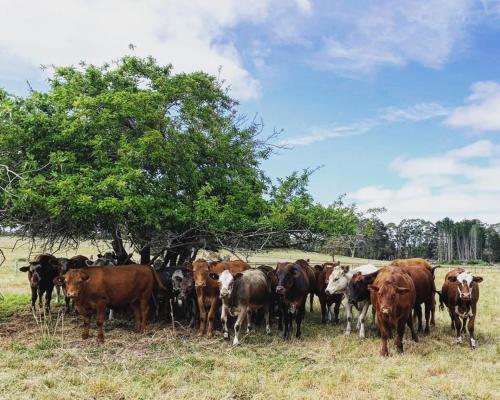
column 226, row 336
column 236, row 342
column 362, row 336
column 268, row 331
column 85, row 336
column 459, row 339
column 210, row 335
column 347, row 333
column 473, row 344
column 200, row 334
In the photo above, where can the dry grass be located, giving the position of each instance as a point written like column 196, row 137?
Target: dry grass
column 166, row 364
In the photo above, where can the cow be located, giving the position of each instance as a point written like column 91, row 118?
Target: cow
column 293, row 288
column 187, row 294
column 405, row 262
column 94, row 289
column 274, row 310
column 65, row 264
column 425, row 287
column 393, row 297
column 107, row 259
column 207, row 290
column 338, row 283
column 326, row 301
column 241, row 294
column 41, row 273
column 460, row 293
column 312, row 280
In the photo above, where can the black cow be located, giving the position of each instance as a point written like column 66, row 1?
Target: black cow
column 41, row 274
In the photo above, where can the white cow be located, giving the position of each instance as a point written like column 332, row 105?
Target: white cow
column 338, row 283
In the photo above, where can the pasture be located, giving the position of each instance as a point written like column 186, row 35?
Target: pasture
column 164, row 363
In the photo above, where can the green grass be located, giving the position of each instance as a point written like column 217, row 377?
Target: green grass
column 167, row 364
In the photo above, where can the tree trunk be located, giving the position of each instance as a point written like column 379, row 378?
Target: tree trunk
column 118, row 247
column 146, row 254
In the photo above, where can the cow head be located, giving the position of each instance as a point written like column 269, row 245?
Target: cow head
column 63, row 264
column 226, row 282
column 465, row 281
column 73, row 280
column 338, row 280
column 186, row 285
column 200, row 272
column 357, row 289
column 388, row 296
column 103, row 260
column 176, row 281
column 39, row 268
column 286, row 274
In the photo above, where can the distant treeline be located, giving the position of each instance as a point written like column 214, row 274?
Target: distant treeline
column 445, row 240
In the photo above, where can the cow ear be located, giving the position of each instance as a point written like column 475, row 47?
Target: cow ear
column 214, row 276
column 88, row 263
column 85, row 277
column 99, row 255
column 318, row 268
column 58, row 280
column 24, row 269
column 452, row 278
column 370, row 277
column 345, row 268
column 373, row 288
column 296, row 273
column 238, row 275
column 401, row 290
column 477, row 279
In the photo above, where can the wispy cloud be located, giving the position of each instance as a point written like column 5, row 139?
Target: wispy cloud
column 319, row 134
column 416, row 113
column 392, row 33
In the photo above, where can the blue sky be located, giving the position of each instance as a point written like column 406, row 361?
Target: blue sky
column 399, row 101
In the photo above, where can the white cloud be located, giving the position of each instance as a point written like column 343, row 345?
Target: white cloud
column 190, row 34
column 319, row 134
column 394, row 32
column 418, row 112
column 482, row 109
column 451, row 184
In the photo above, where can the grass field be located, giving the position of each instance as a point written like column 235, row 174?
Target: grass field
column 174, row 364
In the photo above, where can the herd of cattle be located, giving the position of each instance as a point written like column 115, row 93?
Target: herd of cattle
column 203, row 291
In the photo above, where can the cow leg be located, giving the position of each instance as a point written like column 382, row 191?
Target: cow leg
column 249, row 321
column 137, row 315
column 299, row 315
column 414, row 335
column 384, row 351
column 418, row 313
column 458, row 328
column 58, row 294
column 144, row 312
column 266, row 318
column 100, row 317
column 322, row 303
column 470, row 327
column 361, row 319
column 203, row 316
column 286, row 317
column 464, row 324
column 336, row 311
column 399, row 338
column 86, row 314
column 34, row 296
column 348, row 311
column 427, row 317
column 40, row 295
column 433, row 310
column 223, row 317
column 48, row 297
column 237, row 325
column 111, row 316
column 211, row 317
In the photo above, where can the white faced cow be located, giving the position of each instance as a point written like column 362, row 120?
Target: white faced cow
column 338, row 283
column 241, row 294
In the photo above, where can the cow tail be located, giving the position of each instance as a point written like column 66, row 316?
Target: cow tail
column 434, row 268
column 157, row 279
column 441, row 299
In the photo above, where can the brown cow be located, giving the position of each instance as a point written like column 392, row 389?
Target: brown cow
column 323, row 273
column 312, row 280
column 65, row 264
column 393, row 297
column 207, row 290
column 460, row 293
column 93, row 289
column 424, row 288
column 405, row 262
column 293, row 288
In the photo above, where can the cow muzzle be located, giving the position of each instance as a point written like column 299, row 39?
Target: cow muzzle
column 280, row 289
column 385, row 311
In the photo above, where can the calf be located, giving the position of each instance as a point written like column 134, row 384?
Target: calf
column 326, row 300
column 274, row 310
column 187, row 294
column 66, row 264
column 207, row 290
column 94, row 289
column 425, row 288
column 41, row 274
column 241, row 294
column 460, row 293
column 338, row 283
column 393, row 297
column 312, row 280
column 293, row 288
